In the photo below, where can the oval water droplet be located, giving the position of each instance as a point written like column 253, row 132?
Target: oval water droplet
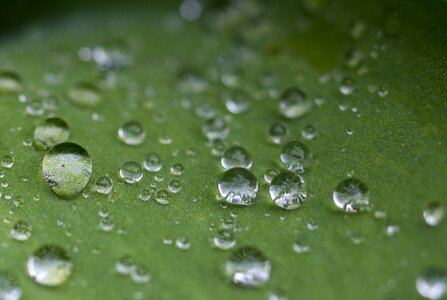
column 21, row 231
column 215, row 129
column 84, row 95
column 237, row 102
column 183, row 243
column 433, row 213
column 49, row 265
column 124, row 265
column 51, row 132
column 351, row 195
column 288, row 190
column 8, row 161
column 296, row 156
column 294, row 103
column 131, row 133
column 104, row 185
column 224, row 239
column 153, row 162
column 10, row 82
column 174, row 186
column 238, row 186
column 278, row 133
column 432, row 284
column 309, row 132
column 67, row 168
column 162, row 197
column 177, row 169
column 236, row 157
column 145, row 195
column 131, row 172
column 270, row 174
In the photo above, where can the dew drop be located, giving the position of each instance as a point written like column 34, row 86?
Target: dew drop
column 309, row 132
column 131, row 133
column 8, row 161
column 9, row 289
column 177, row 169
column 287, row 190
column 433, row 214
column 162, row 197
column 153, row 162
column 124, row 265
column 21, row 231
column 67, row 168
column 294, row 103
column 215, row 129
column 236, row 157
column 300, row 247
column 224, row 239
column 145, row 195
column 49, row 265
column 238, row 186
column 174, row 186
column 351, row 195
column 346, row 86
column 140, row 274
column 237, row 102
column 278, row 133
column 10, row 82
column 84, row 95
column 106, row 223
column 248, row 267
column 183, row 243
column 432, row 284
column 131, row 172
column 296, row 156
column 51, row 132
column 104, row 185
column 270, row 174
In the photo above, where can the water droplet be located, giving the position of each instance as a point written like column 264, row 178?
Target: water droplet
column 124, row 265
column 183, row 243
column 296, row 156
column 351, row 195
column 309, row 132
column 312, row 225
column 237, row 102
column 270, row 174
column 294, row 103
column 9, row 82
column 392, row 229
column 145, row 195
column 190, row 10
column 236, row 156
column 191, row 81
column 49, row 265
column 162, row 197
column 380, row 214
column 8, row 161
column 106, row 223
column 131, row 172
column 131, row 133
column 301, row 246
column 224, row 239
column 21, row 231
column 140, row 274
column 432, row 284
column 50, row 132
column 433, row 214
column 84, row 95
column 67, row 168
column 287, row 190
column 248, row 267
column 174, row 186
column 215, row 129
column 9, row 289
column 34, row 108
column 177, row 169
column 238, row 186
column 104, row 185
column 346, row 86
column 277, row 295
column 153, row 162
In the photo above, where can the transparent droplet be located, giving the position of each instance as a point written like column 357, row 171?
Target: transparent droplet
column 49, row 265
column 224, row 239
column 124, row 265
column 51, row 132
column 288, row 190
column 301, row 246
column 183, row 243
column 191, row 81
column 236, row 157
column 294, row 103
column 248, row 267
column 162, row 197
column 153, row 162
column 392, row 229
column 84, row 95
column 432, row 284
column 21, row 231
column 347, row 86
column 238, row 186
column 34, row 108
column 237, row 102
column 131, row 133
column 433, row 213
column 140, row 274
column 8, row 161
column 174, row 186
column 104, row 185
column 9, row 289
column 309, row 132
column 215, row 129
column 10, row 82
column 351, row 195
column 278, row 133
column 145, row 195
column 277, row 294
column 296, row 156
column 270, row 174
column 177, row 169
column 67, row 168
column 106, row 223
column 131, row 172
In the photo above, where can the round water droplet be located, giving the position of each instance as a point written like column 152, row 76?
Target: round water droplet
column 248, row 267
column 278, row 133
column 433, row 214
column 8, row 161
column 224, row 239
column 238, row 186
column 153, row 162
column 10, row 82
column 50, row 132
column 162, row 197
column 145, row 195
column 104, row 185
column 140, row 274
column 191, row 81
column 183, row 243
column 177, row 169
column 215, row 129
column 294, row 103
column 35, row 108
column 346, row 86
column 296, row 156
column 125, row 265
column 84, row 95
column 131, row 133
column 21, row 231
column 131, row 172
column 9, row 289
column 174, row 186
column 236, row 157
column 432, row 284
column 237, row 102
column 270, row 174
column 287, row 190
column 301, row 246
column 67, row 168
column 309, row 132
column 49, row 265
column 351, row 195
column 106, row 223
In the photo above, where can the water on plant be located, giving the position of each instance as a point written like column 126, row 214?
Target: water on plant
column 432, row 284
column 236, row 157
column 9, row 289
column 10, row 82
column 21, row 231
column 104, row 185
column 294, row 103
column 84, row 95
column 153, row 162
column 296, row 156
column 51, row 132
column 224, row 239
column 131, row 172
column 288, row 190
column 433, row 213
column 278, row 133
column 132, row 133
column 351, row 195
column 238, row 186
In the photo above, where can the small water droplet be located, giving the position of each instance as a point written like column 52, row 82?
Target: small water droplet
column 432, row 284
column 177, row 169
column 131, row 172
column 104, row 185
column 145, row 195
column 162, row 197
column 21, row 231
column 296, row 156
column 433, row 213
column 174, row 186
column 270, row 174
column 49, row 265
column 278, row 133
column 287, row 190
column 351, row 195
column 346, row 86
column 183, row 243
column 392, row 229
column 309, row 132
column 140, row 274
column 224, row 239
column 106, row 223
column 215, row 129
column 301, row 246
column 236, row 156
column 294, row 103
column 237, row 102
column 124, row 265
column 153, row 162
column 10, row 82
column 50, row 132
column 238, row 186
column 8, row 161
column 131, row 133
column 9, row 289
column 84, row 95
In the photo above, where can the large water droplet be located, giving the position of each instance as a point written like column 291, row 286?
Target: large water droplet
column 131, row 172
column 248, row 267
column 9, row 289
column 432, row 284
column 49, row 265
column 67, row 168
column 236, row 157
column 50, row 132
column 287, row 190
column 296, row 156
column 131, row 133
column 294, row 103
column 433, row 213
column 84, row 95
column 238, row 186
column 351, row 195
column 21, row 231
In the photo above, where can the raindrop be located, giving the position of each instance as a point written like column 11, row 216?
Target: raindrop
column 294, row 103
column 10, row 82
column 174, row 186
column 300, row 247
column 432, row 284
column 49, row 265
column 106, row 223
column 287, row 190
column 248, row 267
column 191, row 81
column 351, row 195
column 238, row 186
column 67, row 168
column 35, row 108
column 183, row 243
column 51, row 132
column 237, row 102
column 224, row 239
column 131, row 172
column 131, row 133
column 145, row 195
column 104, row 185
column 153, row 162
column 21, row 231
column 392, row 229
column 346, row 86
column 270, row 174
column 433, row 214
column 177, row 169
column 140, row 274
column 84, row 95
column 309, row 132
column 9, row 289
column 215, row 129
column 296, row 156
column 8, row 161
column 124, row 265
column 236, row 157
column 162, row 197
column 278, row 133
